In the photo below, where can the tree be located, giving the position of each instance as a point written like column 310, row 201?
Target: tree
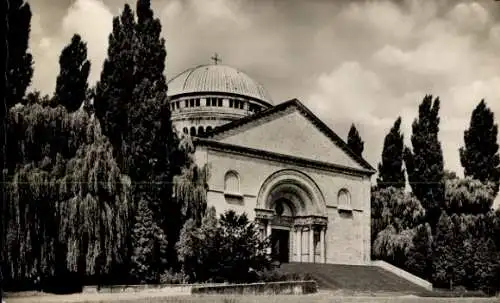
column 449, row 175
column 132, row 104
column 424, row 163
column 223, row 249
column 390, row 170
column 445, row 270
column 115, row 87
column 479, row 155
column 394, row 207
column 147, row 240
column 95, row 207
column 67, row 192
column 419, row 260
column 71, row 86
column 35, row 97
column 354, row 141
column 20, row 62
column 190, row 190
column 17, row 78
column 468, row 196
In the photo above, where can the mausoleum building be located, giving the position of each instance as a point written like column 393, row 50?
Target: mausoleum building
column 278, row 163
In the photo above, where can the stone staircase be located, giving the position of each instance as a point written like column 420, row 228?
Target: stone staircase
column 357, row 278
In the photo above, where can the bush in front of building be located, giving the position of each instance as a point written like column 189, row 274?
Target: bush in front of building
column 225, row 249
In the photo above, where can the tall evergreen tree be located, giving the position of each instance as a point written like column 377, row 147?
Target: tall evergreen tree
column 71, row 85
column 20, row 62
column 132, row 104
column 479, row 156
column 18, row 71
column 425, row 163
column 390, row 170
column 114, row 89
column 354, row 141
column 146, row 267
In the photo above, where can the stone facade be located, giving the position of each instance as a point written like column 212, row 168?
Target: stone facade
column 285, row 169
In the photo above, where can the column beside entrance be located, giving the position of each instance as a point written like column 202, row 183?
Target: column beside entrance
column 311, row 244
column 322, row 244
column 305, row 228
column 298, row 243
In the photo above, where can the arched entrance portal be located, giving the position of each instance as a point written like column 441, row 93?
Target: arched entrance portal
column 292, row 214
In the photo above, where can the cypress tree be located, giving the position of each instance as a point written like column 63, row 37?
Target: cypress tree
column 114, row 90
column 18, row 71
column 71, row 85
column 354, row 141
column 390, row 170
column 146, row 267
column 20, row 62
column 425, row 163
column 132, row 104
column 479, row 155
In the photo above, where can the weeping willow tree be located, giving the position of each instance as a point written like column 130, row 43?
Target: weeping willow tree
column 94, row 207
column 35, row 163
column 65, row 191
column 190, row 191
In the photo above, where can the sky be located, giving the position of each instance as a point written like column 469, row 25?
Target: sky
column 362, row 62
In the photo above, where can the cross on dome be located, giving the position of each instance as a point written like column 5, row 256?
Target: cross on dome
column 216, row 58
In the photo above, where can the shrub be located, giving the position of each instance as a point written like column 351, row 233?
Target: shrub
column 228, row 249
column 170, row 277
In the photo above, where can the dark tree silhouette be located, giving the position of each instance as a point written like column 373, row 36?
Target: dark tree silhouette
column 479, row 155
column 354, row 141
column 424, row 163
column 71, row 85
column 390, row 170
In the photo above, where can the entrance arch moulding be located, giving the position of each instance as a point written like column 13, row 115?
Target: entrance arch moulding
column 299, row 188
column 308, row 217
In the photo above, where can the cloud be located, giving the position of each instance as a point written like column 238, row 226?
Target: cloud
column 363, row 62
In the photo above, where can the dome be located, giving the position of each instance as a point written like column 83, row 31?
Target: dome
column 217, row 78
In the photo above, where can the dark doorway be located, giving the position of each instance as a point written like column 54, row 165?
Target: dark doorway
column 279, row 243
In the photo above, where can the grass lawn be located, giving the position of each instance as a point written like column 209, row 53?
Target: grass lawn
column 160, row 298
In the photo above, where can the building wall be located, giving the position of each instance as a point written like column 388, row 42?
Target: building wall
column 348, row 233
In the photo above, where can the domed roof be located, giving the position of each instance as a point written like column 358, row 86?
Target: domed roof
column 216, row 78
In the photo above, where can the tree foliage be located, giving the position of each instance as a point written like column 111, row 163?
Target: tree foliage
column 68, row 203
column 394, row 207
column 20, row 61
column 398, row 230
column 94, row 207
column 354, row 141
column 17, row 77
column 390, row 170
column 222, row 250
column 444, row 270
column 424, row 163
column 190, row 190
column 479, row 155
column 71, row 85
column 468, row 196
column 465, row 254
column 147, row 240
column 115, row 87
column 419, row 260
column 131, row 103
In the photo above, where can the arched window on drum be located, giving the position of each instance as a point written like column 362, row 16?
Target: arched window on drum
column 344, row 200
